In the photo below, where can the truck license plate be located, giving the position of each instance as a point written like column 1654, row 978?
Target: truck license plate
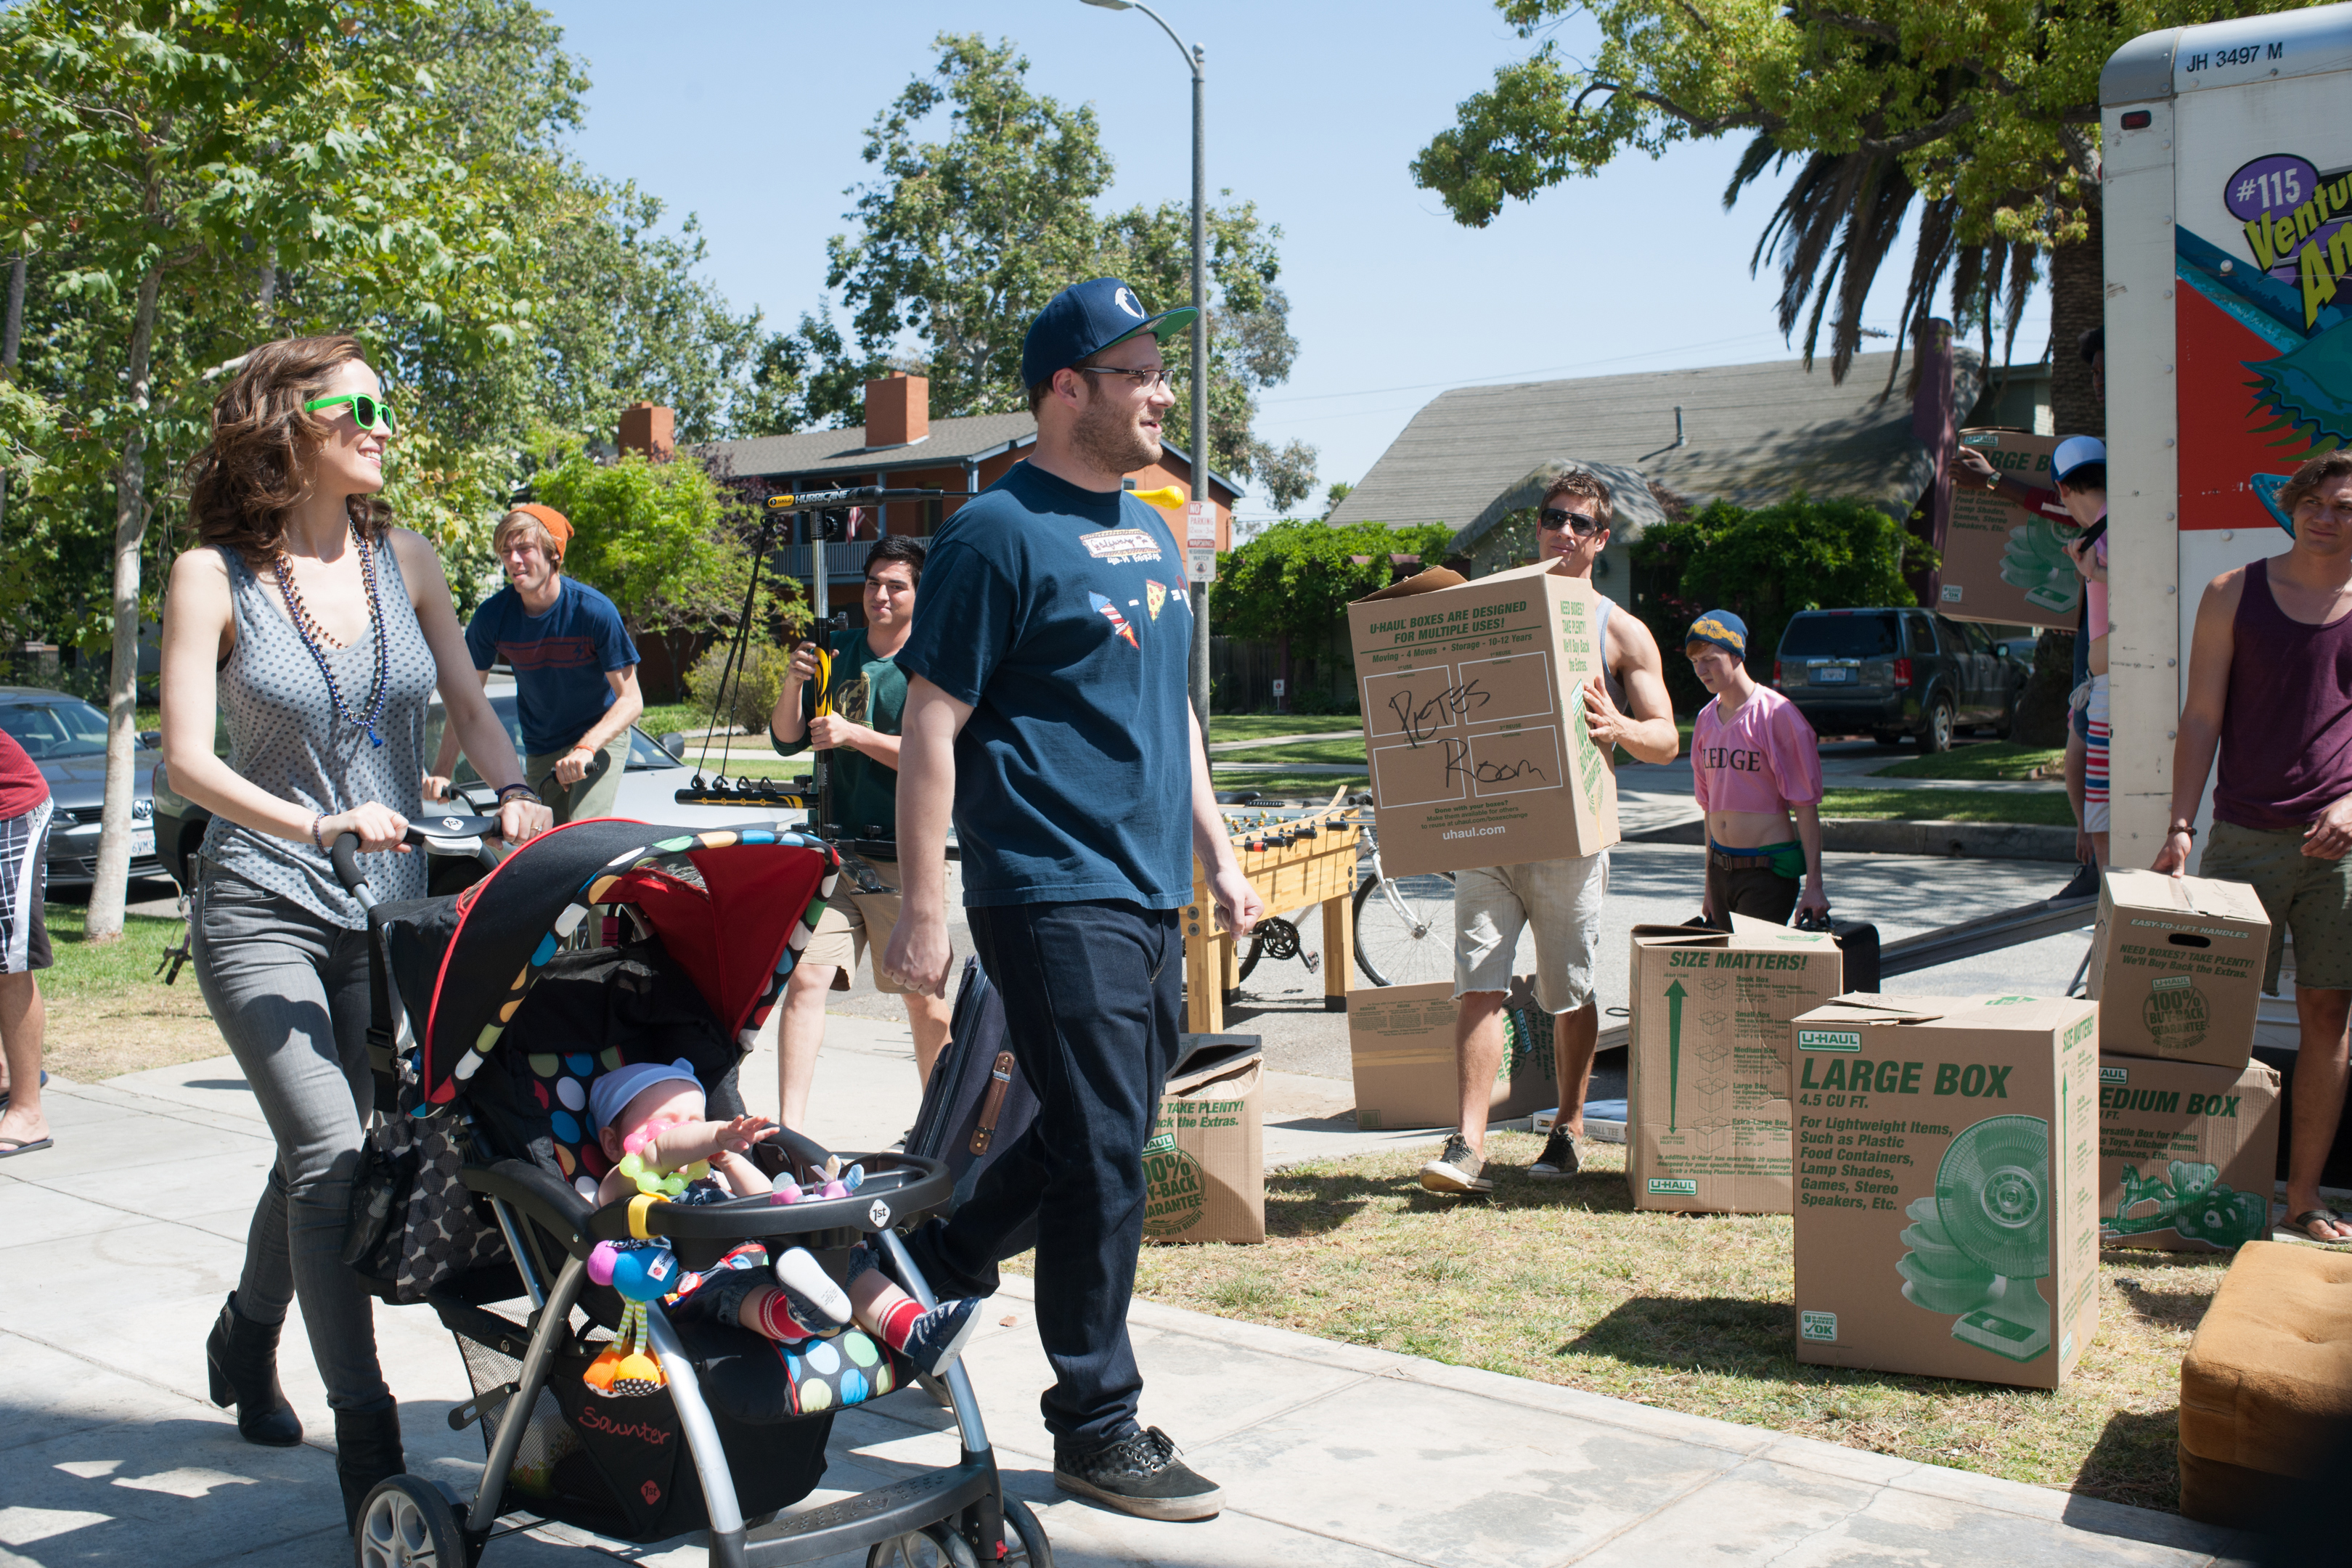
column 1831, row 675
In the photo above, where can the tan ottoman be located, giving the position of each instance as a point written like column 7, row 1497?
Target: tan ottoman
column 2266, row 1387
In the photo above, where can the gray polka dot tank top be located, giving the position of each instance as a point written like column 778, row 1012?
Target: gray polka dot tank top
column 285, row 736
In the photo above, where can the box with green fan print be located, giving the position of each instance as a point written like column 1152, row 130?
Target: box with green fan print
column 1706, row 1068
column 1948, row 1185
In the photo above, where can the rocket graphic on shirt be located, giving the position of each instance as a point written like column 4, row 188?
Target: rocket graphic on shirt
column 1110, row 612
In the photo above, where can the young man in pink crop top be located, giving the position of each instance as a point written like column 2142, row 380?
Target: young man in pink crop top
column 1755, row 763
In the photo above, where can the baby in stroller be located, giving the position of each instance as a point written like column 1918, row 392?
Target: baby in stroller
column 657, row 1113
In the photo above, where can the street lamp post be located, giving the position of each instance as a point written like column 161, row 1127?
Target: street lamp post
column 1196, row 58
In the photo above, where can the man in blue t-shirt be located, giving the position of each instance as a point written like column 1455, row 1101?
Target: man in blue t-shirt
column 575, row 670
column 1046, row 713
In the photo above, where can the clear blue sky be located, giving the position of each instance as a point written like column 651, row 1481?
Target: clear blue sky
column 753, row 115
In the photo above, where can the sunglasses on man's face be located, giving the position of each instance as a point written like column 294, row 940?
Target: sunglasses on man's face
column 368, row 412
column 1552, row 519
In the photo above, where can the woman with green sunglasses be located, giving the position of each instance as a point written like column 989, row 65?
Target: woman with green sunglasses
column 369, row 412
column 320, row 631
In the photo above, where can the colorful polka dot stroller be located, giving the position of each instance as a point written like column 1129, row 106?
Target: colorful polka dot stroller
column 494, row 1018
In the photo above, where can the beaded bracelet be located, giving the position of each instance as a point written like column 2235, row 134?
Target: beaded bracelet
column 316, row 836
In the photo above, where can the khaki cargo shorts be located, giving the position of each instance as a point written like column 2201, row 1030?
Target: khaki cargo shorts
column 854, row 922
column 1561, row 899
column 2311, row 898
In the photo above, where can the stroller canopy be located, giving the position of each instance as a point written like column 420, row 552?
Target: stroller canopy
column 733, row 908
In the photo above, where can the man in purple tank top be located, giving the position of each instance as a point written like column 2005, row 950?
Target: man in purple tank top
column 2270, row 686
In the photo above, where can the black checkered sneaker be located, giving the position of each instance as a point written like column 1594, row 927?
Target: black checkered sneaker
column 1558, row 1161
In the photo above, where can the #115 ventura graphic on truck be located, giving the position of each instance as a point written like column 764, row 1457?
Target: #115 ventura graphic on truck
column 2226, row 199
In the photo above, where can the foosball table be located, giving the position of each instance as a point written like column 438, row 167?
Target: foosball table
column 1292, row 861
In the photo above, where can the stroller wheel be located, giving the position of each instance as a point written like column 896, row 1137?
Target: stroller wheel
column 1032, row 1550
column 410, row 1522
column 933, row 1546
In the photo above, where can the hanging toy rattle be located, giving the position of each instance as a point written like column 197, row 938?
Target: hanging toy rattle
column 641, row 1271
column 652, row 1181
column 838, row 1184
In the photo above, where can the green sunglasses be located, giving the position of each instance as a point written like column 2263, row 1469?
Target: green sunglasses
column 369, row 412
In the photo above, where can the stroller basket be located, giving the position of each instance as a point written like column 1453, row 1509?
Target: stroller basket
column 505, row 1032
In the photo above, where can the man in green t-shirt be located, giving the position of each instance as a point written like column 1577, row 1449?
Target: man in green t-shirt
column 865, row 695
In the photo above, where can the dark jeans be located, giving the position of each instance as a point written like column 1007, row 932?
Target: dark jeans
column 1759, row 892
column 1091, row 992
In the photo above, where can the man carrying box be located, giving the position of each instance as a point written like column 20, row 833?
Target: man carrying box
column 1624, row 706
column 2270, row 686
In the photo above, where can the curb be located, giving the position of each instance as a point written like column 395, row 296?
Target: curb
column 1944, row 840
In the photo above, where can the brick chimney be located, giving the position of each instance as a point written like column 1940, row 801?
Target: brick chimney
column 897, row 410
column 649, row 428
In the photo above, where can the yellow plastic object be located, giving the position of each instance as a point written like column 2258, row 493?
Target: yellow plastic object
column 824, row 683
column 1167, row 495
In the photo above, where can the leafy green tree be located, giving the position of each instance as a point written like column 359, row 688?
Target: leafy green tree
column 962, row 242
column 1292, row 585
column 1764, row 566
column 1986, row 112
column 669, row 544
column 184, row 152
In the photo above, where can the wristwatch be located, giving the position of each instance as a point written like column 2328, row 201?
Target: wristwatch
column 2182, row 828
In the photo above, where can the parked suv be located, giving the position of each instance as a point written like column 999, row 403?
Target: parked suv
column 1889, row 673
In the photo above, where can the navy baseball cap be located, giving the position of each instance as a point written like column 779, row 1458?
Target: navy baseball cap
column 1086, row 318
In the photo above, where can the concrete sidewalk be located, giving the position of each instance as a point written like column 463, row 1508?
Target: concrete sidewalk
column 125, row 1236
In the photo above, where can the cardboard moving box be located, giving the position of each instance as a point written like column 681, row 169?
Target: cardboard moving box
column 1474, row 723
column 2186, row 1153
column 1204, row 1168
column 1706, row 1067
column 2002, row 563
column 2177, row 967
column 1948, row 1183
column 1402, row 1040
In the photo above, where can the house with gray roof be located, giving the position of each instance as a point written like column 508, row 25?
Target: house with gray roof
column 1750, row 433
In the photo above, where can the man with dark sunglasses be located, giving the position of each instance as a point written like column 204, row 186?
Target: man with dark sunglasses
column 1625, row 705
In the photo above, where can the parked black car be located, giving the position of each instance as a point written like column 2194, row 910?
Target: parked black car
column 65, row 737
column 1889, row 673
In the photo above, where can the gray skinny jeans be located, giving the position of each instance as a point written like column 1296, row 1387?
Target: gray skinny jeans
column 289, row 990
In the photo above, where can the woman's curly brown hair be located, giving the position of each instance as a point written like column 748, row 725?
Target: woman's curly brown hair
column 249, row 476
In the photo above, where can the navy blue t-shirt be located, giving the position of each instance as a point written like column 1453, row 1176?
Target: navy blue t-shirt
column 1060, row 614
column 560, row 659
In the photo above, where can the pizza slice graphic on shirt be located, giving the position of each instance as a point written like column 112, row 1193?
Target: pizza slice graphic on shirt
column 1154, row 596
column 1110, row 612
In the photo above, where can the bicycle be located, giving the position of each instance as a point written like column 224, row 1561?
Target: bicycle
column 1403, row 926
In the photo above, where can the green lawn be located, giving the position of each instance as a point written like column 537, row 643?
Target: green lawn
column 1991, row 759
column 1564, row 1283
column 1259, row 726
column 1320, row 752
column 109, row 1011
column 2046, row 807
column 659, row 720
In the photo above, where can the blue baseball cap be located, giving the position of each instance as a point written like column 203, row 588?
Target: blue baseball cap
column 2074, row 452
column 1722, row 628
column 1087, row 318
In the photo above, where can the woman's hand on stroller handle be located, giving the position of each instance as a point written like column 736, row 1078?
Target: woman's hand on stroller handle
column 371, row 828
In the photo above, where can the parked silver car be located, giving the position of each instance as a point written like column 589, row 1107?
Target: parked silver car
column 65, row 737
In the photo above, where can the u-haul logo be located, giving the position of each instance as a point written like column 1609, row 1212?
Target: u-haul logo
column 2114, row 1075
column 2171, row 983
column 1817, row 1326
column 1671, row 1186
column 1829, row 1040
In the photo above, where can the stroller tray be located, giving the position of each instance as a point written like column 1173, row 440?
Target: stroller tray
column 872, row 1517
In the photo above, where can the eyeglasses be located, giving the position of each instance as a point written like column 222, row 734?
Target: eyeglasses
column 1145, row 379
column 368, row 412
column 1551, row 519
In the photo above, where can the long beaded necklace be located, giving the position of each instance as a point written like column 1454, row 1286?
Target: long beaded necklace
column 314, row 635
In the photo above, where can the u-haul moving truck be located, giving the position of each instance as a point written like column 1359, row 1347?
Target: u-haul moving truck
column 2227, row 189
